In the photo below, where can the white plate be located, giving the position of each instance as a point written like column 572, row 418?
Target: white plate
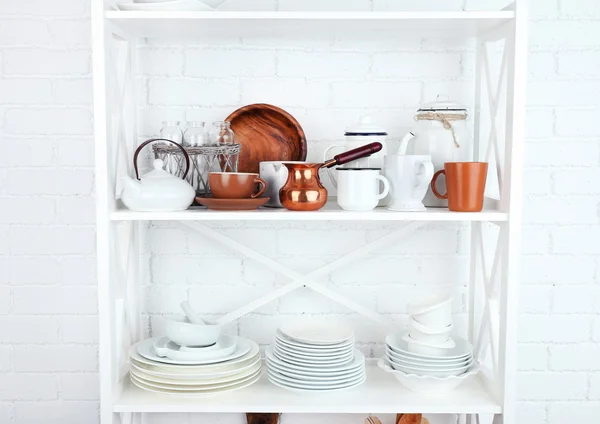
column 308, row 348
column 359, row 360
column 318, row 378
column 144, row 375
column 461, row 349
column 405, row 360
column 301, row 384
column 434, row 373
column 227, row 365
column 224, row 347
column 191, row 394
column 146, row 349
column 302, row 389
column 317, row 362
column 312, row 374
column 318, row 333
column 197, row 388
column 182, row 5
column 319, row 354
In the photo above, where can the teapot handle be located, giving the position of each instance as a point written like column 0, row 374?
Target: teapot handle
column 145, row 143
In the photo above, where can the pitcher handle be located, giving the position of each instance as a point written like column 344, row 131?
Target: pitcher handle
column 330, row 173
column 386, row 187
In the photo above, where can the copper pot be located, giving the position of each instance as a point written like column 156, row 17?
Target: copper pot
column 303, row 190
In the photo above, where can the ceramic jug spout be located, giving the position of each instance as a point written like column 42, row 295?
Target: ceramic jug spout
column 131, row 187
column 404, row 143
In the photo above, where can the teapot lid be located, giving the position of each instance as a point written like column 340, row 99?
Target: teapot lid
column 365, row 126
column 158, row 172
column 442, row 103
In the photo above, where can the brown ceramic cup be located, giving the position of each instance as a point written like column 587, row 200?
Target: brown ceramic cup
column 465, row 182
column 236, row 185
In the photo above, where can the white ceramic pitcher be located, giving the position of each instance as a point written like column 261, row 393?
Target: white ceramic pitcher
column 409, row 176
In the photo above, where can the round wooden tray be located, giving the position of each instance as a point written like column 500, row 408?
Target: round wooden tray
column 266, row 133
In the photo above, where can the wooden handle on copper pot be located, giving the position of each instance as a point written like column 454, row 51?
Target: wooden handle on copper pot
column 263, row 187
column 145, row 143
column 355, row 154
column 433, row 181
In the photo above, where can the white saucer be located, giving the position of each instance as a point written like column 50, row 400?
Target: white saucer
column 318, row 333
column 319, row 353
column 316, row 362
column 224, row 347
column 308, row 348
column 461, row 349
column 195, row 388
column 312, row 388
column 359, row 360
column 179, row 393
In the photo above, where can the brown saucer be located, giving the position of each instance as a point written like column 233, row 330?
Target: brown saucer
column 232, row 204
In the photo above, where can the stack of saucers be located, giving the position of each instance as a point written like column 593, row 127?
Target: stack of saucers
column 162, row 365
column 315, row 358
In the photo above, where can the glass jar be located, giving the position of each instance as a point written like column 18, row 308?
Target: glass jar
column 221, row 134
column 172, row 131
column 195, row 135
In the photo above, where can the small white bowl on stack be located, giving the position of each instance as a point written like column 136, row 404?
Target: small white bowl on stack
column 315, row 357
column 430, row 324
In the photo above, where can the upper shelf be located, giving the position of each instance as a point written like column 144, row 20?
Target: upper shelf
column 460, row 24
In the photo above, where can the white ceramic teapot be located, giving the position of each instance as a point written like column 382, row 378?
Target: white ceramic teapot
column 441, row 132
column 158, row 191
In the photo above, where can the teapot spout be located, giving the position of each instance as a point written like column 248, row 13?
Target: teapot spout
column 404, row 143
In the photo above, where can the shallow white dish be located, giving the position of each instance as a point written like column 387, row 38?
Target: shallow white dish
column 192, row 394
column 311, row 388
column 314, row 354
column 429, row 371
column 461, row 349
column 425, row 383
column 411, row 361
column 184, row 333
column 312, row 374
column 431, row 339
column 318, row 333
column 181, row 5
column 430, row 330
column 146, row 350
column 196, row 388
column 281, row 339
column 316, row 378
column 359, row 360
column 319, row 362
column 145, row 375
column 428, row 348
column 224, row 347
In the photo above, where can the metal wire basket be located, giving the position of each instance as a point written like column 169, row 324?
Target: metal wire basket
column 202, row 161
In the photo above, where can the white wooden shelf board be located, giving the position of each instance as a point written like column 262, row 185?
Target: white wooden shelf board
column 381, row 393
column 461, row 24
column 331, row 212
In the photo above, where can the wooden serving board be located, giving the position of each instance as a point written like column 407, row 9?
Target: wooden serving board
column 266, row 133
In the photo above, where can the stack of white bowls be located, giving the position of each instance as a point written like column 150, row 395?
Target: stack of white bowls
column 428, row 358
column 313, row 357
column 194, row 360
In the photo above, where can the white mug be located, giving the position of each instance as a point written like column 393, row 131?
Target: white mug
column 276, row 175
column 358, row 188
column 410, row 176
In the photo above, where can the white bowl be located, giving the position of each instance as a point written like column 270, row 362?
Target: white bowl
column 407, row 369
column 427, row 363
column 429, row 330
column 184, row 333
column 428, row 339
column 433, row 311
column 439, row 349
column 426, row 383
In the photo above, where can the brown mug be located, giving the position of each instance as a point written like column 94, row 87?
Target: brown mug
column 465, row 182
column 235, row 185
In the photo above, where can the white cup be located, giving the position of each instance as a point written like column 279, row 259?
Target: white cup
column 410, row 176
column 358, row 188
column 276, row 175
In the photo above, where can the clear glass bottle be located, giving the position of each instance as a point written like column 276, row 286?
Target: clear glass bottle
column 172, row 131
column 195, row 135
column 221, row 134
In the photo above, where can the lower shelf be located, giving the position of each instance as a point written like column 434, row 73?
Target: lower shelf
column 381, row 393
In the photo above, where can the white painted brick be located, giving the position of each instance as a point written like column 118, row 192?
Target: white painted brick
column 258, row 239
column 324, row 5
column 27, row 210
column 76, row 210
column 323, row 64
column 168, row 240
column 550, row 34
column 596, row 330
column 5, row 300
column 535, row 240
column 573, row 123
column 306, row 301
column 539, row 123
column 42, row 240
column 54, row 300
column 577, row 240
column 286, row 92
column 535, row 299
column 73, row 91
column 532, row 357
column 26, row 152
column 554, row 328
column 459, row 91
column 595, row 386
column 583, row 8
column 411, row 65
column 48, row 121
column 329, row 242
column 189, row 92
column 57, row 412
column 561, row 412
column 577, row 299
column 577, row 181
column 222, row 299
column 56, row 62
column 4, row 239
column 442, row 270
column 21, row 32
column 562, row 93
column 28, row 387
column 161, row 299
column 220, row 63
column 557, row 269
column 561, row 210
column 79, row 386
column 75, row 152
column 42, row 8
column 70, row 33
column 531, row 412
column 78, row 270
column 376, row 94
column 379, row 270
column 541, row 65
column 557, row 154
column 56, row 358
column 580, row 357
column 79, row 329
column 258, row 274
column 5, row 358
column 552, row 386
column 578, row 64
column 29, row 329
column 420, row 5
column 160, row 61
column 66, row 182
column 537, row 182
column 25, row 91
column 430, row 240
column 196, row 270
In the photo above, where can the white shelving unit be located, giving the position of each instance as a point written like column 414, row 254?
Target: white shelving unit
column 493, row 286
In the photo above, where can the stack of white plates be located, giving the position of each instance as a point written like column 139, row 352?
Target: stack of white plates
column 160, row 365
column 315, row 358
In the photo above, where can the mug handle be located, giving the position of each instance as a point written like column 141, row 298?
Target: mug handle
column 435, row 177
column 386, row 186
column 263, row 187
column 326, row 156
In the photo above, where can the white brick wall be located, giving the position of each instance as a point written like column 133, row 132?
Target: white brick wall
column 47, row 272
